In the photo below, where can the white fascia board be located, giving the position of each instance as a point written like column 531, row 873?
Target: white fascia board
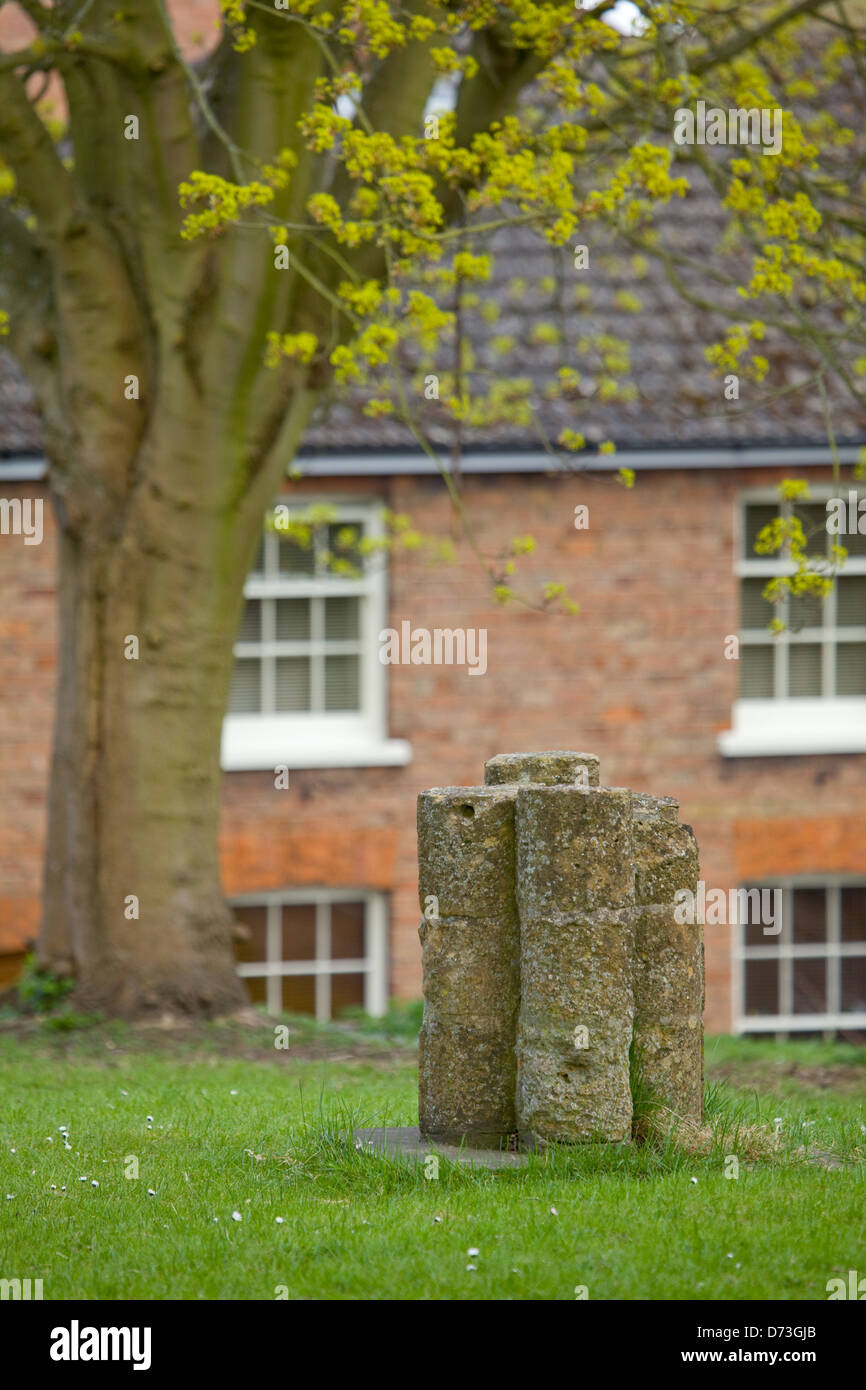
column 373, row 465
column 795, row 728
column 642, row 460
column 23, row 470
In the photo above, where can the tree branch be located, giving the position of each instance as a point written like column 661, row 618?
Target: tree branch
column 43, row 183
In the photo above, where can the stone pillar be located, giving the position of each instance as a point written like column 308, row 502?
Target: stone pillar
column 668, row 960
column 549, row 769
column 575, row 889
column 470, row 941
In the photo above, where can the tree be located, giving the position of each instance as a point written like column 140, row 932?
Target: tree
column 192, row 252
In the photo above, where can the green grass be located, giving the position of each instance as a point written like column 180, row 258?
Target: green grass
column 629, row 1222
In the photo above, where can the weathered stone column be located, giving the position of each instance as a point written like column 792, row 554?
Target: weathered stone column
column 470, row 941
column 668, row 960
column 549, row 769
column 575, row 890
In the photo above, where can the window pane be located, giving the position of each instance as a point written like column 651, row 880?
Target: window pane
column 347, row 991
column 804, row 669
column 342, row 683
column 299, row 994
column 342, row 543
column 250, row 629
column 813, row 515
column 293, row 619
column 756, row 517
column 755, row 611
column 762, row 987
column 851, row 601
column 810, row 914
column 342, row 618
column 256, row 987
column 299, row 931
column 810, row 986
column 347, row 931
column 759, row 913
column 296, row 558
column 805, row 610
column 851, row 668
column 854, row 985
column 251, row 935
column 853, row 914
column 855, row 543
column 292, row 692
column 245, row 696
column 756, row 672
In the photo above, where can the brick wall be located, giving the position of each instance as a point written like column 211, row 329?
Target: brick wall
column 639, row 677
column 27, row 679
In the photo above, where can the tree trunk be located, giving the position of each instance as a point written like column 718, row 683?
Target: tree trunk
column 148, row 616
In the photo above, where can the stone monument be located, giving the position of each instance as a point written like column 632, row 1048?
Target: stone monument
column 555, row 966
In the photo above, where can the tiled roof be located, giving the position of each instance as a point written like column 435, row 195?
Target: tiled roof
column 679, row 401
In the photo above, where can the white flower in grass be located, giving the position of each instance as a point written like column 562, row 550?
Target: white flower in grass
column 54, row 1187
column 12, row 1151
column 10, row 1196
column 554, row 1212
column 472, row 1251
column 84, row 1179
column 694, row 1180
column 93, row 1182
column 232, row 1093
column 279, row 1220
column 151, row 1192
column 124, row 1093
column 236, row 1216
column 63, row 1189
column 468, row 1267
column 49, row 1139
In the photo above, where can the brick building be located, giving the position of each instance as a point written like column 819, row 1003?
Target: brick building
column 772, row 781
column 765, row 749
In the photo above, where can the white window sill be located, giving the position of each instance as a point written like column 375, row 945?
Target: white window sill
column 253, row 743
column 795, row 728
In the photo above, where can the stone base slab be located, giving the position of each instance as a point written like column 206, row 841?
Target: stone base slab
column 407, row 1142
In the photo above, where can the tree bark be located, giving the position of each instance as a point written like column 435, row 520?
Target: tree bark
column 133, row 906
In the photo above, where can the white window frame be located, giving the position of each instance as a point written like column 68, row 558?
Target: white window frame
column 785, row 950
column 373, row 965
column 785, row 725
column 257, row 741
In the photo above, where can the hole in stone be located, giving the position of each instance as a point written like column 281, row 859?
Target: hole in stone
column 467, row 811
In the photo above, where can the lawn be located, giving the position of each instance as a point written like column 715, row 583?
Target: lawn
column 245, row 1188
